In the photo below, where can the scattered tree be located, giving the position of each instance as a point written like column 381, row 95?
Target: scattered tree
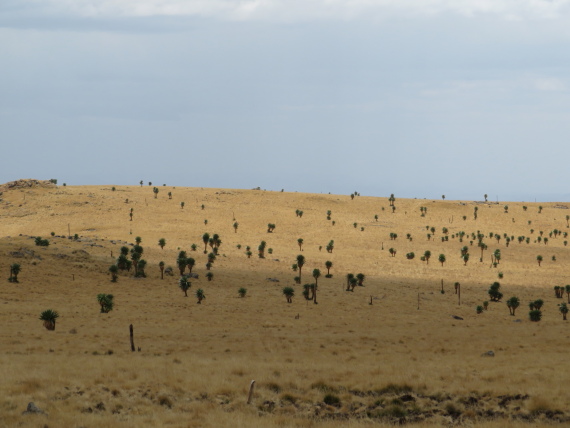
column 289, row 292
column 535, row 305
column 563, row 308
column 328, row 265
column 261, row 249
column 494, row 292
column 106, row 302
column 300, row 263
column 141, row 264
column 162, row 243
column 48, row 317
column 190, row 263
column 513, row 303
column 114, row 270
column 349, row 277
column 14, row 271
column 181, row 262
column 316, row 275
column 200, row 295
column 184, row 284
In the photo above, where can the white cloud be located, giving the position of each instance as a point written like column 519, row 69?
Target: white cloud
column 550, row 85
column 302, row 10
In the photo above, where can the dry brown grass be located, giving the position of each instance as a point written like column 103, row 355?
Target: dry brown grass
column 197, row 360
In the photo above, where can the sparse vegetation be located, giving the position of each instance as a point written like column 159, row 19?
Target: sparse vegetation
column 252, row 334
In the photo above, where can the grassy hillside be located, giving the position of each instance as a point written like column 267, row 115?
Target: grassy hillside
column 385, row 362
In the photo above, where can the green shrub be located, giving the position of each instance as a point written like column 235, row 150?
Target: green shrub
column 535, row 315
column 41, row 242
column 332, row 400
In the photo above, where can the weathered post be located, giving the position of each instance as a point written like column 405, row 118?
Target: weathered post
column 132, row 338
column 250, row 395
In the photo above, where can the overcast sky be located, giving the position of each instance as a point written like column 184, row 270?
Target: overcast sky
column 414, row 97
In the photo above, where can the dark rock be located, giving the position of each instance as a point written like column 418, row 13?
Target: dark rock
column 25, row 253
column 32, row 409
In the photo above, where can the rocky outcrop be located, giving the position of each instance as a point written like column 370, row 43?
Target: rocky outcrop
column 27, row 183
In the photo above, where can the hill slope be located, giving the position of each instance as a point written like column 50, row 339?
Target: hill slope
column 198, row 360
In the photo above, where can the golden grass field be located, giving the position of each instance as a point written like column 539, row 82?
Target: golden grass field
column 387, row 362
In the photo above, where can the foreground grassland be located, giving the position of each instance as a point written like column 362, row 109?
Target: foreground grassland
column 386, row 362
